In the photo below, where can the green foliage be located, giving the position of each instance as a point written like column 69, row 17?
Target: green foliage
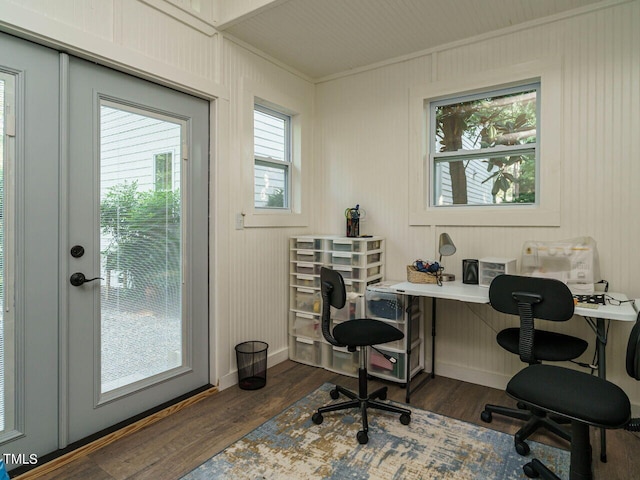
column 276, row 199
column 145, row 236
column 492, row 122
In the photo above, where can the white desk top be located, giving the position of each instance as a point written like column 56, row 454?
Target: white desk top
column 448, row 290
column 477, row 294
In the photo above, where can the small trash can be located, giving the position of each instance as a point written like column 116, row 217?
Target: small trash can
column 252, row 364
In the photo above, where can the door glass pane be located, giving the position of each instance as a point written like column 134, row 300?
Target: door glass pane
column 7, row 329
column 140, row 245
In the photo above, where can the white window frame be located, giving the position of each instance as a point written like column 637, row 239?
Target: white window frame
column 296, row 215
column 462, row 155
column 547, row 209
column 269, row 161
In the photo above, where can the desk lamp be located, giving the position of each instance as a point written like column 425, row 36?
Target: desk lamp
column 446, row 248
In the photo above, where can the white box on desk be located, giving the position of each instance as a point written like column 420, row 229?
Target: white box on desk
column 491, row 267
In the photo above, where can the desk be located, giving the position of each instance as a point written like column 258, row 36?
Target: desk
column 598, row 319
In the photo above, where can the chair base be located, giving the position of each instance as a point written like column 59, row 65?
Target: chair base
column 581, row 453
column 534, row 418
column 363, row 401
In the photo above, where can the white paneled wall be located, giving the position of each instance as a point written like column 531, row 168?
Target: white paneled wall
column 362, row 157
column 253, row 262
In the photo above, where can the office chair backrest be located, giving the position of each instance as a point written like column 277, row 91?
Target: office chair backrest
column 334, row 295
column 530, row 298
column 548, row 299
column 633, row 351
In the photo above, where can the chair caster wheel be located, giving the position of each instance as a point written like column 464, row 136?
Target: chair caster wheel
column 317, row 418
column 334, row 393
column 405, row 419
column 486, row 416
column 529, row 471
column 522, row 448
column 362, row 437
column 521, row 406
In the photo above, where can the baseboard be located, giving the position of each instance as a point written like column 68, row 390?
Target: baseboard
column 470, row 375
column 231, row 378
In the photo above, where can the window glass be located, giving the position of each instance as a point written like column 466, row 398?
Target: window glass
column 163, row 171
column 484, row 148
column 141, row 220
column 7, row 324
column 272, row 159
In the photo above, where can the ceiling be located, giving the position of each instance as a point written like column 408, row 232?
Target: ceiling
column 321, row 38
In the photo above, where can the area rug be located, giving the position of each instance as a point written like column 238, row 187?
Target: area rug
column 432, row 446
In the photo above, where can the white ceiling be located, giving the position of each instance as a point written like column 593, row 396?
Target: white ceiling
column 320, row 38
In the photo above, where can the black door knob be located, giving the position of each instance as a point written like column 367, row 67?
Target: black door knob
column 78, row 279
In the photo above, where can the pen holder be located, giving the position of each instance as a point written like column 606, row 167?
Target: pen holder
column 353, row 227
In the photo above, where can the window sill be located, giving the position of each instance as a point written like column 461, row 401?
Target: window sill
column 262, row 219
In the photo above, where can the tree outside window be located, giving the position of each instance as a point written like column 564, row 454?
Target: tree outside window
column 484, row 148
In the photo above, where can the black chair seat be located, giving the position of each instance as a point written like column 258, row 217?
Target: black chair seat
column 572, row 394
column 363, row 332
column 547, row 346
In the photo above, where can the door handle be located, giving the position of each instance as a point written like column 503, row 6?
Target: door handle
column 78, row 279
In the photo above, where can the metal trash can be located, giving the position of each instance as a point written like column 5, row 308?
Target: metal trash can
column 251, row 358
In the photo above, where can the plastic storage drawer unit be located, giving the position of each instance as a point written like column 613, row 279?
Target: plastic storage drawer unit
column 305, row 350
column 384, row 305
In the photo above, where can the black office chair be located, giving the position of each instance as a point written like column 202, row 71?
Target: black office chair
column 533, row 298
column 355, row 334
column 585, row 400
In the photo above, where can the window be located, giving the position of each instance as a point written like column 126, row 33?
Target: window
column 163, row 164
column 272, row 157
column 276, row 168
column 484, row 148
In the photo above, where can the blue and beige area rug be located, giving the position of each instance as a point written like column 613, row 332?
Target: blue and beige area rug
column 291, row 446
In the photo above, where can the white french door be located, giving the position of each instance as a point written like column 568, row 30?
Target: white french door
column 103, row 248
column 137, row 230
column 29, row 231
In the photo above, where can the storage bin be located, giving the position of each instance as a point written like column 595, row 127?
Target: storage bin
column 303, row 280
column 305, row 350
column 341, row 258
column 308, row 243
column 398, row 344
column 372, row 271
column 305, row 325
column 307, row 300
column 374, row 257
column 347, row 272
column 384, row 305
column 307, row 268
column 379, row 365
column 352, row 309
column 490, row 267
column 308, row 256
column 343, row 361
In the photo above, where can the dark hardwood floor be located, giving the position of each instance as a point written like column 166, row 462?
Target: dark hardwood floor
column 173, row 446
